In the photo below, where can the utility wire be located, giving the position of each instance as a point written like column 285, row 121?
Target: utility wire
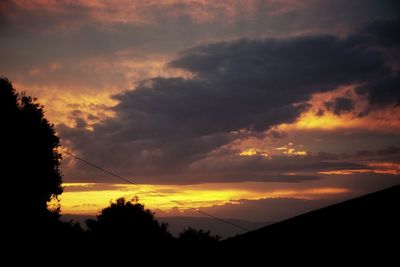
column 156, row 193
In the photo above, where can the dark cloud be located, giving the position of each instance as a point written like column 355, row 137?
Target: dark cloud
column 309, row 63
column 166, row 124
column 384, row 32
column 389, row 151
column 36, row 34
column 340, row 105
column 387, row 154
column 320, row 113
column 80, row 123
column 277, row 134
column 382, row 92
column 275, row 169
column 244, row 84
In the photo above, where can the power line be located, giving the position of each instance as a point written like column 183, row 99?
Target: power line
column 155, row 192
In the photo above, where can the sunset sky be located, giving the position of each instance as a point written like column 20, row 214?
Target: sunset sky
column 257, row 109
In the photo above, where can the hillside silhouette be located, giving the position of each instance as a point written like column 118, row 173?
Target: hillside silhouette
column 367, row 227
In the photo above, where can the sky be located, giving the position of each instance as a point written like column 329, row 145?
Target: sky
column 257, row 109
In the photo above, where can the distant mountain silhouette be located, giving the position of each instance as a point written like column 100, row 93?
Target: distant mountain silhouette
column 363, row 228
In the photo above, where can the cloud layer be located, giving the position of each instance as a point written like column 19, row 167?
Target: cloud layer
column 253, row 65
column 167, row 128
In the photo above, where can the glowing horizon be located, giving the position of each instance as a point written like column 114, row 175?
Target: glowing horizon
column 89, row 200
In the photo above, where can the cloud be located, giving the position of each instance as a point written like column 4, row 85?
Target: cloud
column 37, row 33
column 387, row 154
column 383, row 32
column 168, row 125
column 389, row 151
column 384, row 91
column 52, row 49
column 340, row 105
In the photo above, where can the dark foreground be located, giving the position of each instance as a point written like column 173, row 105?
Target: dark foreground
column 365, row 229
column 360, row 229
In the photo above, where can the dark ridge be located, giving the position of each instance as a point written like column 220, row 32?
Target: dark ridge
column 364, row 227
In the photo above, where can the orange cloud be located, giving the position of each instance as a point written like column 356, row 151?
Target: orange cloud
column 150, row 11
column 91, row 93
column 253, row 152
column 382, row 120
column 375, row 167
column 289, row 149
column 60, row 102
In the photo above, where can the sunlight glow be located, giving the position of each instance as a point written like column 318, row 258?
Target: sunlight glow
column 290, row 150
column 253, row 152
column 63, row 105
column 91, row 198
column 248, row 152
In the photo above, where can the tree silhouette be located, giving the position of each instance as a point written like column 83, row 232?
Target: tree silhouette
column 199, row 237
column 30, row 160
column 129, row 224
column 194, row 242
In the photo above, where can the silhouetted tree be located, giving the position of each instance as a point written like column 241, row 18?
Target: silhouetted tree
column 30, row 161
column 198, row 237
column 194, row 242
column 129, row 224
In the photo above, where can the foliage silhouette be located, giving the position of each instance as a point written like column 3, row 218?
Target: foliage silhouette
column 30, row 158
column 200, row 237
column 126, row 222
column 193, row 242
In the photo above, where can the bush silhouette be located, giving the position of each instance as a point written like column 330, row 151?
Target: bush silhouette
column 124, row 221
column 199, row 237
column 30, row 159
